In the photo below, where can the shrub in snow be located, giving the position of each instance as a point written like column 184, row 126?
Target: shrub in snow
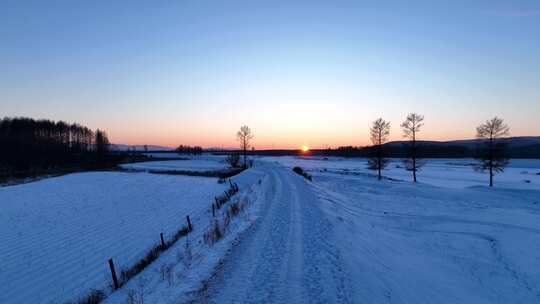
column 218, row 230
column 213, row 234
column 94, row 297
column 132, row 271
column 301, row 171
column 233, row 160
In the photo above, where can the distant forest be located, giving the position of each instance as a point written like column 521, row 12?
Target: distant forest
column 399, row 151
column 193, row 150
column 437, row 150
column 27, row 144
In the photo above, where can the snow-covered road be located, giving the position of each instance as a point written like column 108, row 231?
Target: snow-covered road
column 287, row 257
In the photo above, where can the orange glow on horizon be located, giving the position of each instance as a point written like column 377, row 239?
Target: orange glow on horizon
column 267, row 139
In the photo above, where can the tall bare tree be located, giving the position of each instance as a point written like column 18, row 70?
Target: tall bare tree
column 411, row 126
column 244, row 137
column 492, row 155
column 379, row 132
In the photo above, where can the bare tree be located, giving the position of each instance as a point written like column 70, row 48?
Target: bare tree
column 411, row 126
column 244, row 136
column 491, row 155
column 379, row 132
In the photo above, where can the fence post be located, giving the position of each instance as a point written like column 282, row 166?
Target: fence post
column 189, row 223
column 113, row 273
column 162, row 241
column 213, row 211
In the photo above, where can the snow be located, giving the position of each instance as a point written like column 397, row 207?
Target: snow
column 406, row 243
column 58, row 234
column 288, row 257
column 191, row 260
column 343, row 238
column 451, row 173
column 197, row 164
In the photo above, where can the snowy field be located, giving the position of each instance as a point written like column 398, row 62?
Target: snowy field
column 57, row 234
column 451, row 173
column 343, row 238
column 205, row 163
column 439, row 241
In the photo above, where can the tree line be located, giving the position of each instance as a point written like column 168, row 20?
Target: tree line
column 491, row 155
column 194, row 150
column 29, row 144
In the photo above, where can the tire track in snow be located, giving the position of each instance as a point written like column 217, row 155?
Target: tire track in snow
column 286, row 257
column 325, row 277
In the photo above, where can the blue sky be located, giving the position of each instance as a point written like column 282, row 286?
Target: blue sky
column 309, row 72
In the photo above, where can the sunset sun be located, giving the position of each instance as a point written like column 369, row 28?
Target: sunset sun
column 305, row 148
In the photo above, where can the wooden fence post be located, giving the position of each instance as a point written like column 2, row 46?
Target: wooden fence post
column 113, row 273
column 189, row 223
column 162, row 241
column 213, row 211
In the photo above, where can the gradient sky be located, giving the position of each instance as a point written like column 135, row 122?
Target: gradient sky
column 309, row 72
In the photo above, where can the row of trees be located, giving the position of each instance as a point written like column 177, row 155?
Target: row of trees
column 194, row 150
column 490, row 155
column 26, row 144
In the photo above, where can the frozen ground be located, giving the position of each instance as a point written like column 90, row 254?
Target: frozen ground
column 346, row 238
column 192, row 261
column 206, row 163
column 57, row 234
column 451, row 173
